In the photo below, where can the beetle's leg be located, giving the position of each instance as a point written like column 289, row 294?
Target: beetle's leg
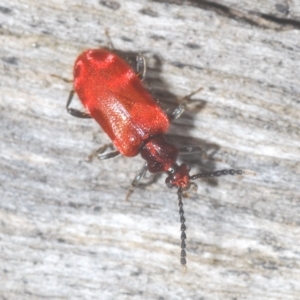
column 141, row 66
column 108, row 155
column 75, row 112
column 191, row 150
column 178, row 111
column 182, row 105
column 138, row 177
column 101, row 155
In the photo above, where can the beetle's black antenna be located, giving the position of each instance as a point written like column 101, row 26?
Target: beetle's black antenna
column 222, row 173
column 183, row 228
column 180, row 204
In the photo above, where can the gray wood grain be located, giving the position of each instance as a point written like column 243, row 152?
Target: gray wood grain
column 66, row 231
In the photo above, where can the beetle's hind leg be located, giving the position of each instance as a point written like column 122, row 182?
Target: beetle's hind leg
column 75, row 112
column 102, row 154
column 138, row 177
column 80, row 114
column 111, row 154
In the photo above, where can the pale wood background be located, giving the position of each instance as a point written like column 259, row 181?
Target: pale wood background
column 66, row 231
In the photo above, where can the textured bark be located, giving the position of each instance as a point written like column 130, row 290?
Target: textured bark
column 66, row 231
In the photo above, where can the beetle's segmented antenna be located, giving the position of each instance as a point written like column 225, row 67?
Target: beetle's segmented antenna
column 218, row 173
column 183, row 228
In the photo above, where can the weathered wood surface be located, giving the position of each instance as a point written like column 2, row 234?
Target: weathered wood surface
column 66, row 231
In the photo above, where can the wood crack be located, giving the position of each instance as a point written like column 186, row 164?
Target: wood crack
column 255, row 18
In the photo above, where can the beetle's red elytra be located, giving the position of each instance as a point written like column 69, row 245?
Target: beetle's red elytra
column 114, row 95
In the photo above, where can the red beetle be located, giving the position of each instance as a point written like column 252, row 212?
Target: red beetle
column 113, row 94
